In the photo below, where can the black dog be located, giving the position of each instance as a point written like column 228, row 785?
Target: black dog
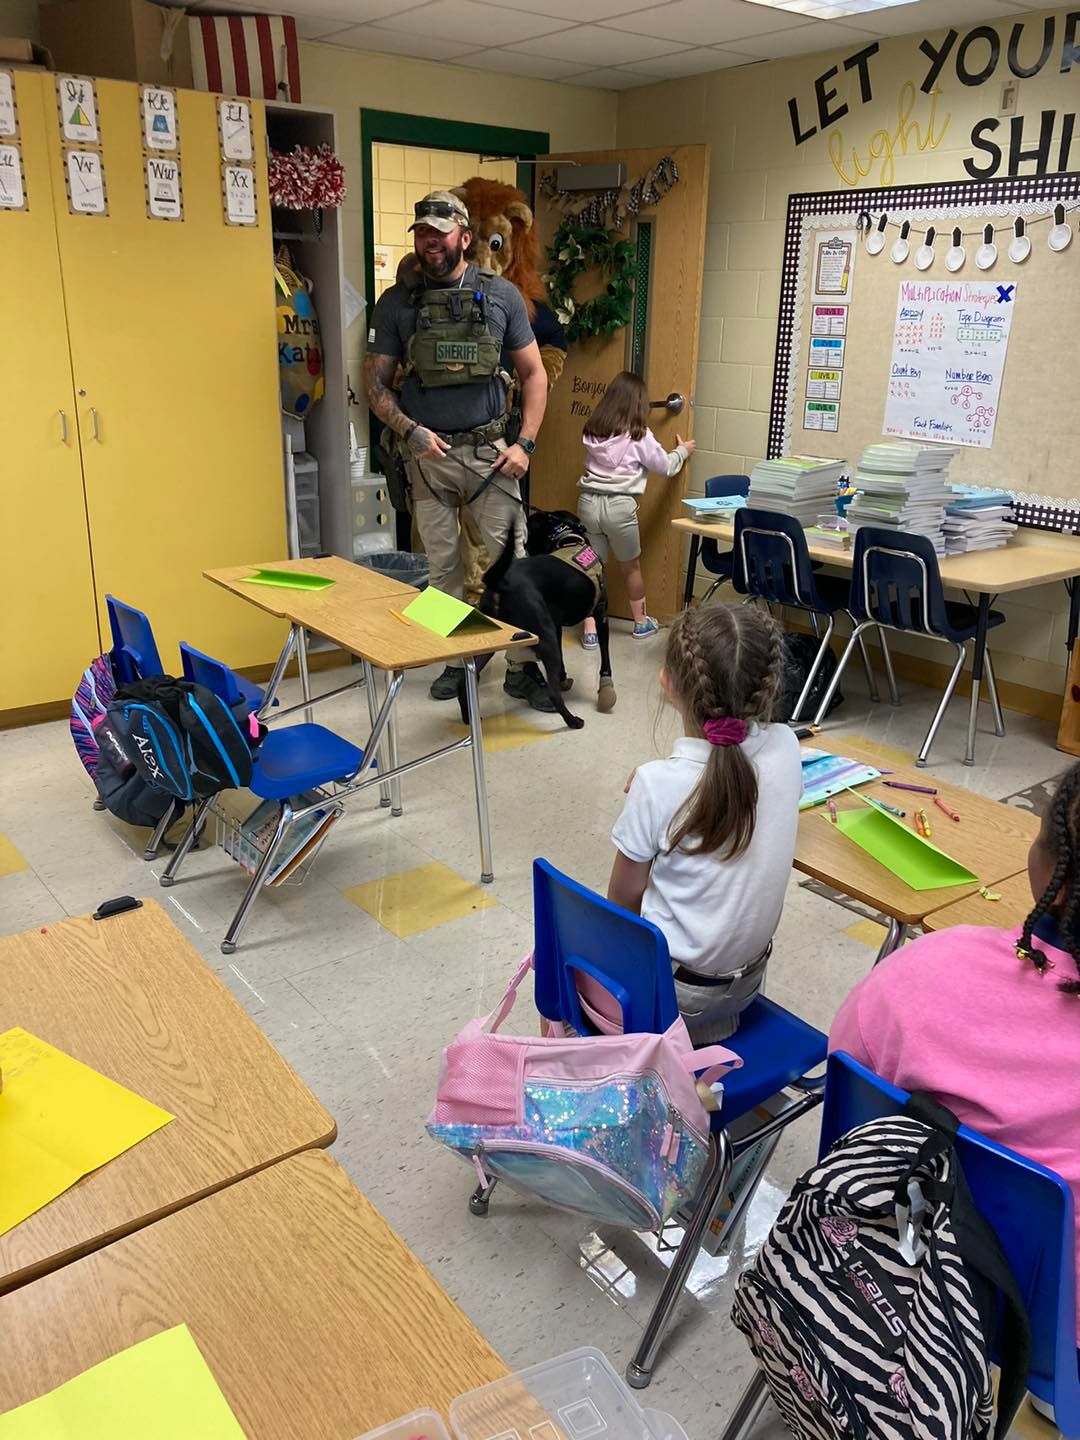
column 559, row 582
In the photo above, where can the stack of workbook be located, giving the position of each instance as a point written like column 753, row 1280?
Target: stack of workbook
column 831, row 533
column 978, row 521
column 903, row 485
column 796, row 485
column 247, row 841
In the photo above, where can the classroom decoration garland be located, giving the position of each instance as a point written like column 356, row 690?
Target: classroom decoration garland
column 612, row 208
column 575, row 250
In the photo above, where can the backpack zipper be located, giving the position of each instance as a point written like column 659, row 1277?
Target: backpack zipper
column 529, row 1147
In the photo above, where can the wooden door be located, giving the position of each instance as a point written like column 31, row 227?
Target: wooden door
column 48, row 625
column 174, row 356
column 677, row 244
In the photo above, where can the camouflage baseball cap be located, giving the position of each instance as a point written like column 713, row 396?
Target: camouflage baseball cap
column 442, row 210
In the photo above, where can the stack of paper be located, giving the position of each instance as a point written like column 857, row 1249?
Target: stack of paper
column 831, row 532
column 248, row 841
column 978, row 521
column 903, row 485
column 713, row 507
column 796, row 485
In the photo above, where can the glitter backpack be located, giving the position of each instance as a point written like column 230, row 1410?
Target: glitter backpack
column 610, row 1126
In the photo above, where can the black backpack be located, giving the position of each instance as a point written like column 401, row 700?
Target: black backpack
column 799, row 652
column 181, row 738
column 872, row 1307
column 122, row 789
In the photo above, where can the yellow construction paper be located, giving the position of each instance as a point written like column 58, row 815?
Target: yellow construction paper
column 445, row 614
column 58, row 1121
column 160, row 1389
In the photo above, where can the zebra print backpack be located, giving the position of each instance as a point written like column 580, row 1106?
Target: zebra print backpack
column 872, row 1307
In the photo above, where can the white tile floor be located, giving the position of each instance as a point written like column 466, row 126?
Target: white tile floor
column 363, row 1016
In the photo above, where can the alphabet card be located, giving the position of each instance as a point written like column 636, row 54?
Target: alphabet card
column 238, row 184
column 164, row 196
column 76, row 99
column 85, row 176
column 12, row 189
column 160, row 126
column 234, row 125
column 9, row 109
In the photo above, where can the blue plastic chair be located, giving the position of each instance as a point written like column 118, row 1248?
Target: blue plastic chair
column 134, row 649
column 896, row 585
column 1030, row 1209
column 716, row 561
column 289, row 761
column 771, row 562
column 217, row 676
column 577, row 932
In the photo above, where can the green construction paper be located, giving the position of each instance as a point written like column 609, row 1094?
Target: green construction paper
column 445, row 614
column 159, row 1389
column 914, row 860
column 289, row 579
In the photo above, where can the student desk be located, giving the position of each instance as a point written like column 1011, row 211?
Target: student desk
column 1011, row 910
column 991, row 839
column 131, row 998
column 1031, row 558
column 360, row 614
column 315, row 1318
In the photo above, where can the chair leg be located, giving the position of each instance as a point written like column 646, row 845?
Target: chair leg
column 939, row 713
column 480, row 1199
column 895, row 936
column 190, row 835
column 890, row 673
column 639, row 1371
column 995, row 703
column 711, row 591
column 100, row 805
column 228, row 945
column 751, row 1403
column 811, row 674
column 855, row 637
column 154, row 843
column 868, row 670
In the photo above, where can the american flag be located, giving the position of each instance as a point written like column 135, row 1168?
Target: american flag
column 253, row 55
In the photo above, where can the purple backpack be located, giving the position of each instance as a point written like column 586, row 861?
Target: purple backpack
column 88, row 705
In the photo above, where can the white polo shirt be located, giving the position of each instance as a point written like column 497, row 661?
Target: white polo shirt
column 717, row 914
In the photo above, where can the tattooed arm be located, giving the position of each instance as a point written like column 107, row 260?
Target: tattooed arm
column 378, row 379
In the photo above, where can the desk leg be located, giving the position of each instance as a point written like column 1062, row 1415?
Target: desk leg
column 472, row 691
column 894, row 938
column 278, row 672
column 392, row 753
column 978, row 661
column 369, row 685
column 301, row 665
column 691, row 570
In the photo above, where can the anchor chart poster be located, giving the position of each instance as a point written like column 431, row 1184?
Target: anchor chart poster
column 948, row 357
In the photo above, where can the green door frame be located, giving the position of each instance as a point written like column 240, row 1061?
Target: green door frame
column 389, row 127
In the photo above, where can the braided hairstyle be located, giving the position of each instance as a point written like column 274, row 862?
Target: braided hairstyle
column 1060, row 835
column 722, row 660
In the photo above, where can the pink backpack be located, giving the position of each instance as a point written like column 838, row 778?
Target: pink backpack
column 610, row 1126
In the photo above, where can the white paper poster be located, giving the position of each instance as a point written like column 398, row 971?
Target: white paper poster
column 827, row 352
column 239, row 184
column 159, row 118
column 86, row 182
column 829, row 320
column 163, row 201
column 383, row 262
column 9, row 124
column 78, row 109
column 354, row 303
column 949, row 348
column 234, row 117
column 834, row 264
column 823, row 384
column 821, row 415
column 12, row 191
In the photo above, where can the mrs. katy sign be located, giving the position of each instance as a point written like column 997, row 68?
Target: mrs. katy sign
column 975, row 57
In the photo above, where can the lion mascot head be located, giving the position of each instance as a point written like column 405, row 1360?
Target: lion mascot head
column 503, row 236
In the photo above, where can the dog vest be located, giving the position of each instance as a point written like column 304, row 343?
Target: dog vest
column 580, row 555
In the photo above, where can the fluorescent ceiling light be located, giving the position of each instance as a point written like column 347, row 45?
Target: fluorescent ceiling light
column 829, row 9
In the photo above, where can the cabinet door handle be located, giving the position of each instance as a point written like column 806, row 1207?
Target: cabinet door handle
column 95, row 425
column 63, row 427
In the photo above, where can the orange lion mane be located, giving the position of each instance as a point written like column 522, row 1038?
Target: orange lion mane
column 502, row 210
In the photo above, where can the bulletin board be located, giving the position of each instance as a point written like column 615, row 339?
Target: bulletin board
column 1035, row 444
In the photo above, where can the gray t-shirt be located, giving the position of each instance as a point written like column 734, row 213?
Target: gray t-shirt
column 451, row 407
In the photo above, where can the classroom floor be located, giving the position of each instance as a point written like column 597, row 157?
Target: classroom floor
column 362, row 974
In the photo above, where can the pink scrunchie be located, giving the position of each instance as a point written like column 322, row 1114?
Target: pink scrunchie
column 728, row 731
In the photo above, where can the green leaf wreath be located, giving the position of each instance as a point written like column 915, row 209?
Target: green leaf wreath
column 575, row 250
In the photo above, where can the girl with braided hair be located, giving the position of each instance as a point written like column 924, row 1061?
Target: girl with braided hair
column 989, row 1020
column 705, row 841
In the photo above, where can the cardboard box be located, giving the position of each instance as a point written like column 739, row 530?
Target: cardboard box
column 119, row 40
column 24, row 55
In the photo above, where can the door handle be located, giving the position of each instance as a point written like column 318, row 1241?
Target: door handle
column 673, row 404
column 63, row 427
column 95, row 425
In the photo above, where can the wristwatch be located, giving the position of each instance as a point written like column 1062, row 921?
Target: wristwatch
column 527, row 445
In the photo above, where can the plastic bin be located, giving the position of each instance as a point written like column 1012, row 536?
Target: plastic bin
column 306, row 475
column 307, row 522
column 372, row 513
column 420, row 1425
column 579, row 1394
column 400, row 565
column 293, row 427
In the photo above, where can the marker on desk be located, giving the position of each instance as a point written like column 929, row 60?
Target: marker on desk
column 918, row 789
column 942, row 806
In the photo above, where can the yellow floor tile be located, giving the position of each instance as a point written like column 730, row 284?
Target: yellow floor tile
column 507, row 732
column 868, row 932
column 885, row 754
column 419, row 899
column 11, row 862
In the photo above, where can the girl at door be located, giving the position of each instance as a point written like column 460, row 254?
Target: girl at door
column 620, row 451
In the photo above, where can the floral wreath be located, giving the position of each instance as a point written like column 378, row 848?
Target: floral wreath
column 575, row 250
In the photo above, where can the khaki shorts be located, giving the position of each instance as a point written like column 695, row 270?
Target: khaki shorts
column 611, row 521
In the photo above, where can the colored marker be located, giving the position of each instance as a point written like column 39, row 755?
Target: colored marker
column 942, row 806
column 918, row 789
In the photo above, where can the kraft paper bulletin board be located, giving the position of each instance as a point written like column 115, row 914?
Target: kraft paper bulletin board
column 1036, row 437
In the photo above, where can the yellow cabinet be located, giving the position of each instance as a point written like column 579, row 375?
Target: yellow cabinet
column 171, row 351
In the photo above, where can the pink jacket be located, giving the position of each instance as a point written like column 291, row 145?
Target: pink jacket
column 620, row 465
column 957, row 1014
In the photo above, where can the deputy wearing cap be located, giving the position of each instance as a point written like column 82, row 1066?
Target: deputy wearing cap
column 447, row 329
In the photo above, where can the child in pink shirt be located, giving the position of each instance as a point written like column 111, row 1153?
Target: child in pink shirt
column 989, row 1020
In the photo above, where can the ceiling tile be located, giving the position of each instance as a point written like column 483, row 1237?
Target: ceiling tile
column 579, row 10
column 465, row 20
column 346, row 12
column 806, row 40
column 596, row 45
column 706, row 22
column 393, row 42
column 930, row 15
column 690, row 62
column 308, row 27
column 513, row 62
column 612, row 79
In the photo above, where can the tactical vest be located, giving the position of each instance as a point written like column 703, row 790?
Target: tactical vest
column 452, row 344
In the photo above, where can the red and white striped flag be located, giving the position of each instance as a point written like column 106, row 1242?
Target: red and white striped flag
column 253, row 55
